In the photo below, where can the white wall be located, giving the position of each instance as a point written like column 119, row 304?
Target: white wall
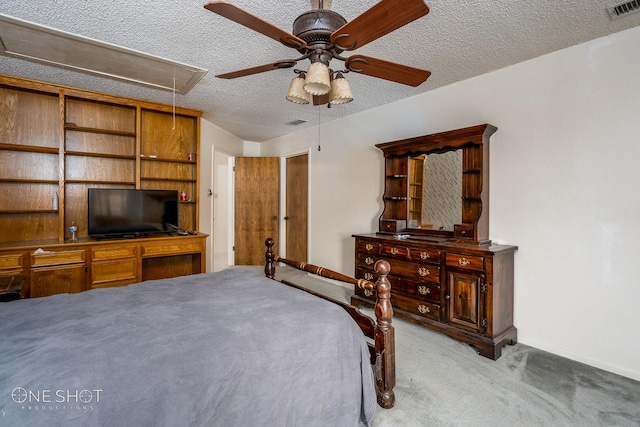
column 212, row 138
column 564, row 188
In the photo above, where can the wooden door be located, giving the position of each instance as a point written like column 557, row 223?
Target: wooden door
column 297, row 207
column 257, row 182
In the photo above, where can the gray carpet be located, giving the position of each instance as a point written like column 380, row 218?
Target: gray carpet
column 442, row 382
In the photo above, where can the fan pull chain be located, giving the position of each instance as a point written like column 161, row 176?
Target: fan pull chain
column 319, row 128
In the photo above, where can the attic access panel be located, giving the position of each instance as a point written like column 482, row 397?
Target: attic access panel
column 27, row 40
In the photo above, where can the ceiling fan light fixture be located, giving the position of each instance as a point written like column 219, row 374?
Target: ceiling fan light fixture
column 296, row 92
column 318, row 81
column 340, row 90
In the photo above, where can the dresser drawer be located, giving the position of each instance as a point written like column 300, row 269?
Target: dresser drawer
column 393, row 225
column 421, row 308
column 366, row 274
column 415, row 270
column 395, row 251
column 57, row 258
column 368, row 247
column 424, row 291
column 115, row 252
column 366, row 293
column 366, row 260
column 467, row 262
column 425, row 255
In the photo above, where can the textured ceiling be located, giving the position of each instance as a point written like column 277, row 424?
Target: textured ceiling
column 455, row 41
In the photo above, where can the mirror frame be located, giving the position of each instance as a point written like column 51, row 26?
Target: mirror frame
column 474, row 143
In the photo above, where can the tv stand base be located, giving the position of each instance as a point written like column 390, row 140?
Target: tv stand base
column 90, row 263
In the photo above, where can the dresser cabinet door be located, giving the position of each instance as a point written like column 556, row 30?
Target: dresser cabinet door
column 466, row 302
column 53, row 280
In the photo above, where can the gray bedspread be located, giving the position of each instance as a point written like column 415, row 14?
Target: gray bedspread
column 217, row 349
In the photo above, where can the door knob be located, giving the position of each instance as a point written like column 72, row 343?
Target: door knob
column 274, row 217
column 286, row 218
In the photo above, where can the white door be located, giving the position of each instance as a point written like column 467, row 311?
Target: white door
column 222, row 185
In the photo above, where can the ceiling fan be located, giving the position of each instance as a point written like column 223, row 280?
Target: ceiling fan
column 321, row 35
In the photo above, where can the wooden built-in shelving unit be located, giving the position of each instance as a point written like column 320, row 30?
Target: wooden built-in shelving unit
column 56, row 139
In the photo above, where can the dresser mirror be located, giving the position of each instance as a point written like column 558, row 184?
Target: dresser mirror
column 436, row 192
column 437, row 186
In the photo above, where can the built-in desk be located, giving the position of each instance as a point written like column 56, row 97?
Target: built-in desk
column 51, row 267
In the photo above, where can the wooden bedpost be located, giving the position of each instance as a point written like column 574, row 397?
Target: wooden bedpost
column 384, row 337
column 270, row 264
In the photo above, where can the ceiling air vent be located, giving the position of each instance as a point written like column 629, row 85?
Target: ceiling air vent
column 623, row 9
column 296, row 122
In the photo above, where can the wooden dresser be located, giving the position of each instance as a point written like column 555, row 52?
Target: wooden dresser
column 465, row 291
column 434, row 232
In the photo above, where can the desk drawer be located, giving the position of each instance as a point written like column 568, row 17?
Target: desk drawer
column 179, row 247
column 115, row 252
column 10, row 262
column 57, row 258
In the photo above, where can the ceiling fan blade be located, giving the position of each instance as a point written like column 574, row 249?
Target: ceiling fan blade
column 287, row 63
column 386, row 70
column 383, row 18
column 243, row 17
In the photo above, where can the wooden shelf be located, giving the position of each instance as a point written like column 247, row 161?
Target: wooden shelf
column 28, row 181
column 28, row 148
column 103, row 155
column 65, row 140
column 167, row 179
column 89, row 181
column 29, row 211
column 74, row 128
column 158, row 159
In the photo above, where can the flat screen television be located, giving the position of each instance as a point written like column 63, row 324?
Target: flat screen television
column 130, row 213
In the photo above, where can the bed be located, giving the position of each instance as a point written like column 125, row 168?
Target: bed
column 232, row 348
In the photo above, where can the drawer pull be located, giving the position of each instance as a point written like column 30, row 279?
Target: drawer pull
column 368, row 292
column 423, row 309
column 423, row 271
column 463, row 262
column 424, row 255
column 394, row 251
column 368, row 260
column 424, row 290
column 368, row 276
column 368, row 247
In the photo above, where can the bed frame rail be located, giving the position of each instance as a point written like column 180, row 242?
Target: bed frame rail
column 381, row 330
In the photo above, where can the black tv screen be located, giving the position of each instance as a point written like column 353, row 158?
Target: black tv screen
column 120, row 212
